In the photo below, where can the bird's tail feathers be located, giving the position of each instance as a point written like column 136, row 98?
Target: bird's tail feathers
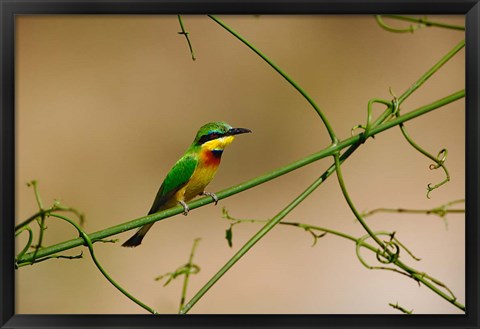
column 137, row 238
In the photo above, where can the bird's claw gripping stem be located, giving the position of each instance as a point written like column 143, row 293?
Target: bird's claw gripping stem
column 212, row 195
column 185, row 207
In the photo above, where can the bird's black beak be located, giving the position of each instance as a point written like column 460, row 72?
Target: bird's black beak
column 237, row 131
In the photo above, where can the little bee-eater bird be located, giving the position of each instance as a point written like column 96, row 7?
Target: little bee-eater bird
column 192, row 173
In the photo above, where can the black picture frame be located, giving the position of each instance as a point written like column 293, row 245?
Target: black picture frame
column 9, row 9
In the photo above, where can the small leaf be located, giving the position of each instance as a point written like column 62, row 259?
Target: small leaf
column 228, row 236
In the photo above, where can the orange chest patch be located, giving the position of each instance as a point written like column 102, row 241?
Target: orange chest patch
column 210, row 158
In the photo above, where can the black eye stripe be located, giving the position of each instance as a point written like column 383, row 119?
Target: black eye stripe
column 209, row 137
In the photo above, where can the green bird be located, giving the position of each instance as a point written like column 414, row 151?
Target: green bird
column 192, row 172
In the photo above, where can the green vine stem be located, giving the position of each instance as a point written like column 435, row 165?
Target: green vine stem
column 88, row 242
column 333, row 150
column 378, row 126
column 410, row 29
column 185, row 33
column 394, row 105
column 263, row 231
column 40, row 222
column 400, row 308
column 393, row 256
column 186, row 270
column 354, row 140
column 29, row 242
column 439, row 160
column 57, row 207
column 431, row 71
column 284, row 75
column 420, row 21
column 361, row 243
column 441, row 211
column 187, row 275
column 351, row 205
column 42, row 213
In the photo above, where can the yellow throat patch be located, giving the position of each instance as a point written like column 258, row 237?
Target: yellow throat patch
column 218, row 144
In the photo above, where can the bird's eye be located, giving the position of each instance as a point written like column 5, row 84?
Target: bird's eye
column 213, row 136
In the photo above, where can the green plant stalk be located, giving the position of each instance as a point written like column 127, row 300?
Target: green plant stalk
column 283, row 74
column 46, row 212
column 426, row 22
column 350, row 203
column 276, row 220
column 410, row 272
column 185, row 33
column 421, row 278
column 281, row 171
column 414, row 273
column 414, row 211
column 243, row 186
column 431, row 71
column 187, row 275
column 89, row 245
column 42, row 217
column 264, row 230
column 438, row 161
column 312, row 227
column 29, row 242
column 441, row 210
column 385, row 26
column 400, row 308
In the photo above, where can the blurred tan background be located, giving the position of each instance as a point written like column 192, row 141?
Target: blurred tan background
column 107, row 104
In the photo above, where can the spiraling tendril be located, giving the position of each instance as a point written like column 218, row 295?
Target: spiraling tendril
column 439, row 159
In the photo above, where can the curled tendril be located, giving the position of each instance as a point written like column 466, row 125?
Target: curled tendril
column 395, row 103
column 410, row 29
column 362, row 135
column 441, row 157
column 27, row 246
column 388, row 112
column 185, row 33
column 439, row 160
column 182, row 270
column 439, row 163
column 315, row 236
column 437, row 282
column 359, row 126
column 385, row 257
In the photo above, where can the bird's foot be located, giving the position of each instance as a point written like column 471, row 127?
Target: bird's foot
column 212, row 195
column 185, row 207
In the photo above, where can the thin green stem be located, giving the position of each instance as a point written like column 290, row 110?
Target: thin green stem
column 439, row 160
column 41, row 223
column 426, row 22
column 385, row 26
column 34, row 184
column 39, row 260
column 350, row 202
column 46, row 212
column 29, row 242
column 400, row 308
column 349, row 142
column 392, row 256
column 283, row 74
column 440, row 211
column 187, row 274
column 360, row 242
column 185, row 33
column 264, row 230
column 88, row 242
column 431, row 71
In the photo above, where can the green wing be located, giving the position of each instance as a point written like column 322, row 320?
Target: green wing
column 176, row 178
